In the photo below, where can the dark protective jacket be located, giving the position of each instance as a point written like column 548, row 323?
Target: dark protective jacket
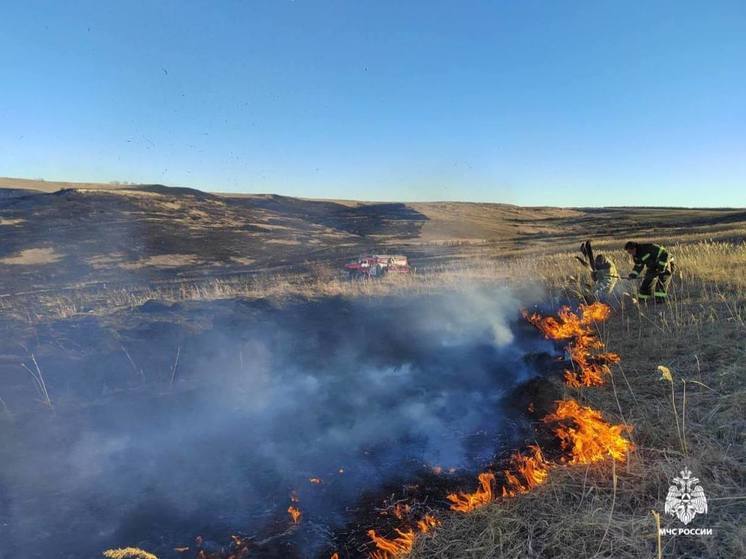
column 654, row 257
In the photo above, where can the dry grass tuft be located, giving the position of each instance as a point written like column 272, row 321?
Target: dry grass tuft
column 128, row 553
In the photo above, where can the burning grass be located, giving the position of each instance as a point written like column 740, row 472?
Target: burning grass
column 584, row 436
column 531, row 470
column 467, row 502
column 694, row 418
column 394, row 547
column 581, row 435
column 569, row 520
column 589, row 366
column 401, row 544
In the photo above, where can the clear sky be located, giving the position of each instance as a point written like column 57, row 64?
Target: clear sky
column 530, row 102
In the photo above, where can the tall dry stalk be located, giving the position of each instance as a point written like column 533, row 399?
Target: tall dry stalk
column 40, row 383
column 175, row 366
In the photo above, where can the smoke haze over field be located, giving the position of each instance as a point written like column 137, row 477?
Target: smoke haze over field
column 355, row 393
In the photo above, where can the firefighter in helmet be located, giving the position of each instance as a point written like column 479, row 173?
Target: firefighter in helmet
column 604, row 276
column 658, row 265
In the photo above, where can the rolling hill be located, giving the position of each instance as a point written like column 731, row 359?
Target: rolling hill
column 58, row 234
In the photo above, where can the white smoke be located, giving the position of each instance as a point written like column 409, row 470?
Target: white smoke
column 267, row 399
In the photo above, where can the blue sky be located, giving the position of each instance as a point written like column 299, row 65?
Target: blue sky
column 559, row 103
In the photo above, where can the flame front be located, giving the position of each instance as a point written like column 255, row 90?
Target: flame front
column 533, row 468
column 526, row 472
column 402, row 544
column 391, row 548
column 466, row 502
column 589, row 369
column 585, row 435
column 569, row 324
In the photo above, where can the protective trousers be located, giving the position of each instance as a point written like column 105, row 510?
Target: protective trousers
column 655, row 284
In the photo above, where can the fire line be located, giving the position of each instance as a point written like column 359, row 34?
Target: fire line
column 584, row 436
column 589, row 368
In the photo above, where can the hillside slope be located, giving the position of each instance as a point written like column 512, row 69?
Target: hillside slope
column 133, row 234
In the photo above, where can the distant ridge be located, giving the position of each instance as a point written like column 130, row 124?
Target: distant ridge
column 42, row 185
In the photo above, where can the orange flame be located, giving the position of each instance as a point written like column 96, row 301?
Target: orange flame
column 568, row 324
column 595, row 312
column 533, row 468
column 391, row 548
column 586, row 436
column 295, row 514
column 402, row 544
column 583, row 434
column 427, row 523
column 589, row 369
column 334, row 555
column 466, row 502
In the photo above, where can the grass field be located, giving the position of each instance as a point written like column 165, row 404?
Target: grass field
column 62, row 262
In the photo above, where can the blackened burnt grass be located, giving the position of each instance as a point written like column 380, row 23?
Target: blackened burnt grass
column 211, row 419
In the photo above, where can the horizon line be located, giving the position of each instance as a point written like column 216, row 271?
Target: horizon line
column 122, row 185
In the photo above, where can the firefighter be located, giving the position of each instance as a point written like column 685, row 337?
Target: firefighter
column 604, row 276
column 658, row 264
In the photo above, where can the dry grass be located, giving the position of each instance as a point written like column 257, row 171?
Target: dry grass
column 597, row 511
column 32, row 257
column 696, row 420
column 128, row 553
column 322, row 282
column 709, row 270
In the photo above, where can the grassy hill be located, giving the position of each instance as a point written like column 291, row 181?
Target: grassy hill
column 101, row 233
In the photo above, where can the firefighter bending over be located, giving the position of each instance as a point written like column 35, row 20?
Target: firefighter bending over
column 604, row 276
column 658, row 265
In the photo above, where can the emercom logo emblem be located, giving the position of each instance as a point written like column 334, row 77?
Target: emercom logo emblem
column 686, row 498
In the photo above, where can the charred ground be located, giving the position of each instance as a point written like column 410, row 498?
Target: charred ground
column 203, row 418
